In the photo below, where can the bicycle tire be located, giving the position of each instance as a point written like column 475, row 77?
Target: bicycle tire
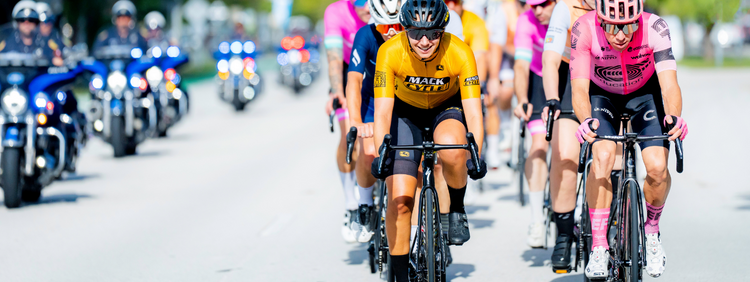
column 429, row 227
column 584, row 239
column 634, row 234
column 521, row 168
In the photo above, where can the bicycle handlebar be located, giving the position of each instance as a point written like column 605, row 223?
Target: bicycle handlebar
column 350, row 138
column 550, row 121
column 522, row 130
column 386, row 147
column 631, row 137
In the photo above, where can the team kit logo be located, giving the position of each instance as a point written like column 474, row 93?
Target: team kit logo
column 427, row 84
column 612, row 75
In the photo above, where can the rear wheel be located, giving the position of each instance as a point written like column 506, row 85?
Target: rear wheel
column 119, row 139
column 11, row 165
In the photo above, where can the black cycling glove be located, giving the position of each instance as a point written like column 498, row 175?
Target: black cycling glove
column 384, row 172
column 473, row 173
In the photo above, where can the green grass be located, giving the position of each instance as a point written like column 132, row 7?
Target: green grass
column 699, row 62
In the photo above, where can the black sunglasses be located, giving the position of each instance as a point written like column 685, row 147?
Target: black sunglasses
column 27, row 20
column 431, row 34
column 543, row 5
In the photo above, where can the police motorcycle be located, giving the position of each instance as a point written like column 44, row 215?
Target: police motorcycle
column 171, row 102
column 122, row 107
column 33, row 140
column 299, row 61
column 238, row 81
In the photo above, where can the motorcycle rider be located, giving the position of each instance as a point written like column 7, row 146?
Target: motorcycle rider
column 24, row 38
column 155, row 36
column 123, row 32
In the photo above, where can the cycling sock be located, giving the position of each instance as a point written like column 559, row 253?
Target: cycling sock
column 400, row 266
column 365, row 195
column 493, row 142
column 347, row 181
column 652, row 218
column 564, row 222
column 457, row 199
column 599, row 220
column 536, row 203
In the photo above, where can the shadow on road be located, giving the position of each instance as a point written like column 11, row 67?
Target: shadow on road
column 745, row 207
column 457, row 270
column 79, row 177
column 51, row 199
column 569, row 278
column 495, row 186
column 537, row 257
column 358, row 255
column 481, row 223
column 473, row 209
column 513, row 197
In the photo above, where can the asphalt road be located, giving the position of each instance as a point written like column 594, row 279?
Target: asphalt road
column 255, row 196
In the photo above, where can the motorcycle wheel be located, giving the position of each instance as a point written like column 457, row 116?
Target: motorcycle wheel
column 11, row 165
column 239, row 106
column 119, row 140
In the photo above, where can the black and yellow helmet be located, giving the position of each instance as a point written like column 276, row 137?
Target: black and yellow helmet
column 424, row 14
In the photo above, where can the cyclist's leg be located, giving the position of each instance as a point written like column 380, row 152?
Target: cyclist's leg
column 536, row 163
column 648, row 121
column 365, row 185
column 506, row 97
column 450, row 129
column 346, row 173
column 563, row 180
column 401, row 188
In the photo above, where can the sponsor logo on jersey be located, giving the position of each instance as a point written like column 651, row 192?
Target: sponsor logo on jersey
column 440, row 67
column 379, row 79
column 646, row 117
column 404, row 154
column 575, row 30
column 641, row 56
column 604, row 110
column 666, row 33
column 549, row 39
column 471, row 81
column 355, row 58
column 659, row 24
column 573, row 42
column 611, row 73
column 631, row 49
column 635, row 72
column 427, row 84
column 606, row 57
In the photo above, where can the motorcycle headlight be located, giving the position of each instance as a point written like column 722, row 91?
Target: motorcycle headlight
column 14, row 101
column 222, row 66
column 154, row 75
column 294, row 56
column 236, row 66
column 42, row 103
column 117, row 82
column 97, row 82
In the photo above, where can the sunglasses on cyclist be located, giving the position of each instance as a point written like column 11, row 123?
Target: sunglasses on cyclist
column 386, row 28
column 431, row 34
column 27, row 20
column 543, row 5
column 616, row 28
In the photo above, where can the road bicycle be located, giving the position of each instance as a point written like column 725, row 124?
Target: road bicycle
column 428, row 256
column 626, row 233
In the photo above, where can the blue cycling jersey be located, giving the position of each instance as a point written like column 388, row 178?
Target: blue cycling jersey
column 363, row 57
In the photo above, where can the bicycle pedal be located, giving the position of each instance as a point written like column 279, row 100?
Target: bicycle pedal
column 561, row 270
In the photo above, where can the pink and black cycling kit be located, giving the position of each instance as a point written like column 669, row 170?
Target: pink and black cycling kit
column 624, row 82
column 341, row 25
column 529, row 42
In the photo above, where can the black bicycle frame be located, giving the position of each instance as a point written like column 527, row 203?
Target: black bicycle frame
column 627, row 214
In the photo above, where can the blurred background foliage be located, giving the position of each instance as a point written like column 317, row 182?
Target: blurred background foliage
column 706, row 12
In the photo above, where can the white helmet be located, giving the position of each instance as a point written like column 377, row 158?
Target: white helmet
column 45, row 12
column 25, row 9
column 385, row 11
column 154, row 20
column 123, row 8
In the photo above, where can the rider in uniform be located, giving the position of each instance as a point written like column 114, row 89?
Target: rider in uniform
column 123, row 32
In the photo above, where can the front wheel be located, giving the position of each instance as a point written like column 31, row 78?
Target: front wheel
column 521, row 170
column 429, row 233
column 11, row 165
column 119, row 139
column 635, row 240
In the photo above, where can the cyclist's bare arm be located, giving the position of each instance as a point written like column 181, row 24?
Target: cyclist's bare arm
column 335, row 71
column 384, row 88
column 581, row 102
column 495, row 57
column 550, row 67
column 383, row 115
column 671, row 92
column 521, row 81
column 474, row 119
column 354, row 97
column 481, row 57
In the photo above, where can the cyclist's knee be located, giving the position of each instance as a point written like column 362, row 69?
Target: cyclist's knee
column 403, row 205
column 656, row 169
column 603, row 161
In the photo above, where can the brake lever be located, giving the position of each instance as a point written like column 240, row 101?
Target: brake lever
column 350, row 138
column 678, row 147
column 523, row 121
column 583, row 156
column 474, row 150
column 382, row 151
column 550, row 121
column 336, row 106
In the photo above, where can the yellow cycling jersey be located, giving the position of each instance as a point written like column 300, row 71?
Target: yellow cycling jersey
column 475, row 32
column 426, row 84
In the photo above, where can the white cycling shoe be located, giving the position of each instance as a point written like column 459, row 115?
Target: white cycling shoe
column 656, row 259
column 536, row 235
column 598, row 266
column 350, row 236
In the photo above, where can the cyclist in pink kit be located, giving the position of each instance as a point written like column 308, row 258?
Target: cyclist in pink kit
column 616, row 50
column 529, row 42
column 342, row 21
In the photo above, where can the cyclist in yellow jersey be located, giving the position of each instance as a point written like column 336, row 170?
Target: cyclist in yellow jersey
column 425, row 78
